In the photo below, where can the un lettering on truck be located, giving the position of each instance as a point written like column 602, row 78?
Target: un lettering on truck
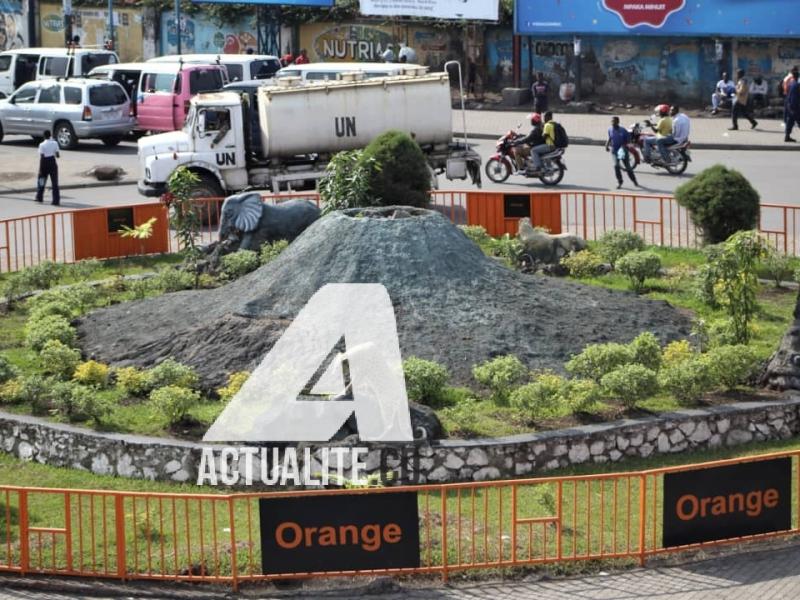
column 354, row 114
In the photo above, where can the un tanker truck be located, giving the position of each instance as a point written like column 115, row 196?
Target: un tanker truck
column 284, row 135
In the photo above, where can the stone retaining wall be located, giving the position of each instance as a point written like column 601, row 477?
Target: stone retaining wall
column 164, row 459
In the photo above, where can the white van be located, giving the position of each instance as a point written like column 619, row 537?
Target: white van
column 241, row 67
column 26, row 64
column 333, row 70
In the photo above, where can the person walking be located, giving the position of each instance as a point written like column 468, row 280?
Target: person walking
column 792, row 108
column 617, row 143
column 741, row 102
column 48, row 153
column 540, row 90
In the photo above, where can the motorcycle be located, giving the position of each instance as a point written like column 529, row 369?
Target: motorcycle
column 679, row 156
column 503, row 164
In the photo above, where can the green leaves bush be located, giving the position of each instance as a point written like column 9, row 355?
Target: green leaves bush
column 638, row 266
column 501, row 375
column 238, row 263
column 347, row 181
column 132, row 381
column 613, row 245
column 477, row 234
column 7, row 370
column 54, row 307
column 597, row 360
column 630, row 383
column 425, row 380
column 646, row 351
column 172, row 373
column 174, row 402
column 732, row 365
column 403, row 177
column 51, row 327
column 271, row 250
column 79, row 403
column 235, row 382
column 582, row 264
column 552, row 396
column 689, row 379
column 721, row 202
column 58, row 359
column 170, row 279
column 92, row 373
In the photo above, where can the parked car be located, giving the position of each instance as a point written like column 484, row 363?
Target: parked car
column 20, row 66
column 72, row 109
column 241, row 67
column 125, row 74
column 164, row 91
column 334, row 70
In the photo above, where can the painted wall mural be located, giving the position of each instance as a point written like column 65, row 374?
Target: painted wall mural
column 202, row 35
column 91, row 25
column 13, row 25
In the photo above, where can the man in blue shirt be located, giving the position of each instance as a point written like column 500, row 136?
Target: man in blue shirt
column 792, row 106
column 617, row 143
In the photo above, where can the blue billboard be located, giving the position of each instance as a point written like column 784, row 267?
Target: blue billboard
column 745, row 18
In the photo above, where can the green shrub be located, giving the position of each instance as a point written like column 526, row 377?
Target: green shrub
column 11, row 391
column 170, row 279
column 404, row 177
column 688, row 380
column 506, row 247
column 235, row 382
column 552, row 396
column 706, row 278
column 13, row 288
column 54, row 307
column 59, row 359
column 721, row 202
column 7, row 370
column 238, row 263
column 646, row 351
column 42, row 276
column 477, row 234
column 630, row 383
column 132, row 381
column 83, row 297
column 347, row 181
column 501, row 375
column 597, row 360
column 462, row 419
column 140, row 288
column 92, row 373
column 721, row 332
column 172, row 373
column 83, row 269
column 35, row 390
column 582, row 264
column 66, row 399
column 677, row 352
column 638, row 266
column 51, row 327
column 732, row 365
column 271, row 250
column 777, row 267
column 174, row 402
column 425, row 380
column 613, row 245
column 92, row 405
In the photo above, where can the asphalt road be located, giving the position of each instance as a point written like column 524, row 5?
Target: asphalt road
column 588, row 167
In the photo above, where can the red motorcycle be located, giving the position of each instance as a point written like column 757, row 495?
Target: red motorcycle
column 503, row 164
column 678, row 154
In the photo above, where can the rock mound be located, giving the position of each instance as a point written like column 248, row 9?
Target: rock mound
column 453, row 304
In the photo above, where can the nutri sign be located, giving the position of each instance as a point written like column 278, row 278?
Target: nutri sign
column 657, row 17
column 339, row 533
column 727, row 502
column 485, row 10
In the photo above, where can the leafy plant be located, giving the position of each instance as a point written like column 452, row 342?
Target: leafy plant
column 7, row 370
column 235, row 382
column 477, row 234
column 646, row 351
column 11, row 391
column 170, row 279
column 463, row 418
column 239, row 263
column 638, row 266
column 597, row 360
column 71, row 401
column 551, row 396
column 92, row 405
column 132, row 381
column 174, row 402
column 271, row 250
column 689, row 379
column 732, row 365
column 404, row 177
column 347, row 181
column 184, row 215
column 92, row 373
column 58, row 359
column 501, row 375
column 677, row 352
column 630, row 383
column 34, row 390
column 83, row 269
column 42, row 276
column 51, row 327
column 54, row 307
column 721, row 202
column 777, row 267
column 582, row 264
column 613, row 245
column 172, row 373
column 506, row 247
column 12, row 289
column 425, row 380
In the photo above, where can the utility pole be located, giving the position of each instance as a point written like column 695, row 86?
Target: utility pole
column 111, row 23
column 178, row 24
column 67, row 6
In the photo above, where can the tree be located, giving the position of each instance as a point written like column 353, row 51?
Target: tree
column 721, row 202
column 403, row 177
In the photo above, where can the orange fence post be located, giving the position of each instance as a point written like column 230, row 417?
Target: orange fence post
column 119, row 522
column 514, row 522
column 560, row 514
column 585, row 224
column 24, row 541
column 443, row 491
column 234, row 569
column 68, row 528
column 642, row 517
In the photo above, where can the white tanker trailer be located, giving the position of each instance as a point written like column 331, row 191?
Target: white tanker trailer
column 285, row 134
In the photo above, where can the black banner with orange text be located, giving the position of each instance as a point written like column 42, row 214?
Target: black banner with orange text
column 727, row 502
column 339, row 533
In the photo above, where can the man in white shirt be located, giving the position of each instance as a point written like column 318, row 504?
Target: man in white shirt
column 48, row 167
column 724, row 90
column 758, row 92
column 680, row 132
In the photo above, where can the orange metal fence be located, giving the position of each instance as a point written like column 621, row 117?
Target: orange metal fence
column 215, row 537
column 26, row 241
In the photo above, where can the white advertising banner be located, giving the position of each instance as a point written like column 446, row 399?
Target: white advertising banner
column 434, row 9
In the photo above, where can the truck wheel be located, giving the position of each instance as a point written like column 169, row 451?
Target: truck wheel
column 208, row 187
column 111, row 140
column 65, row 136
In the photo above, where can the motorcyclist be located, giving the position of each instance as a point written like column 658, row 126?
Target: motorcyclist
column 663, row 129
column 524, row 146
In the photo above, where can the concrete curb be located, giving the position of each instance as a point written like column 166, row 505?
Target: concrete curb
column 70, row 186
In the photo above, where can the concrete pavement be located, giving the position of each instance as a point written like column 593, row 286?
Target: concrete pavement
column 768, row 574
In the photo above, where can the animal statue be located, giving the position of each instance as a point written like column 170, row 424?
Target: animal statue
column 545, row 249
column 246, row 223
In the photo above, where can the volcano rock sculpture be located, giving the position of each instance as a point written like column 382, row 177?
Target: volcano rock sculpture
column 783, row 369
column 453, row 304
